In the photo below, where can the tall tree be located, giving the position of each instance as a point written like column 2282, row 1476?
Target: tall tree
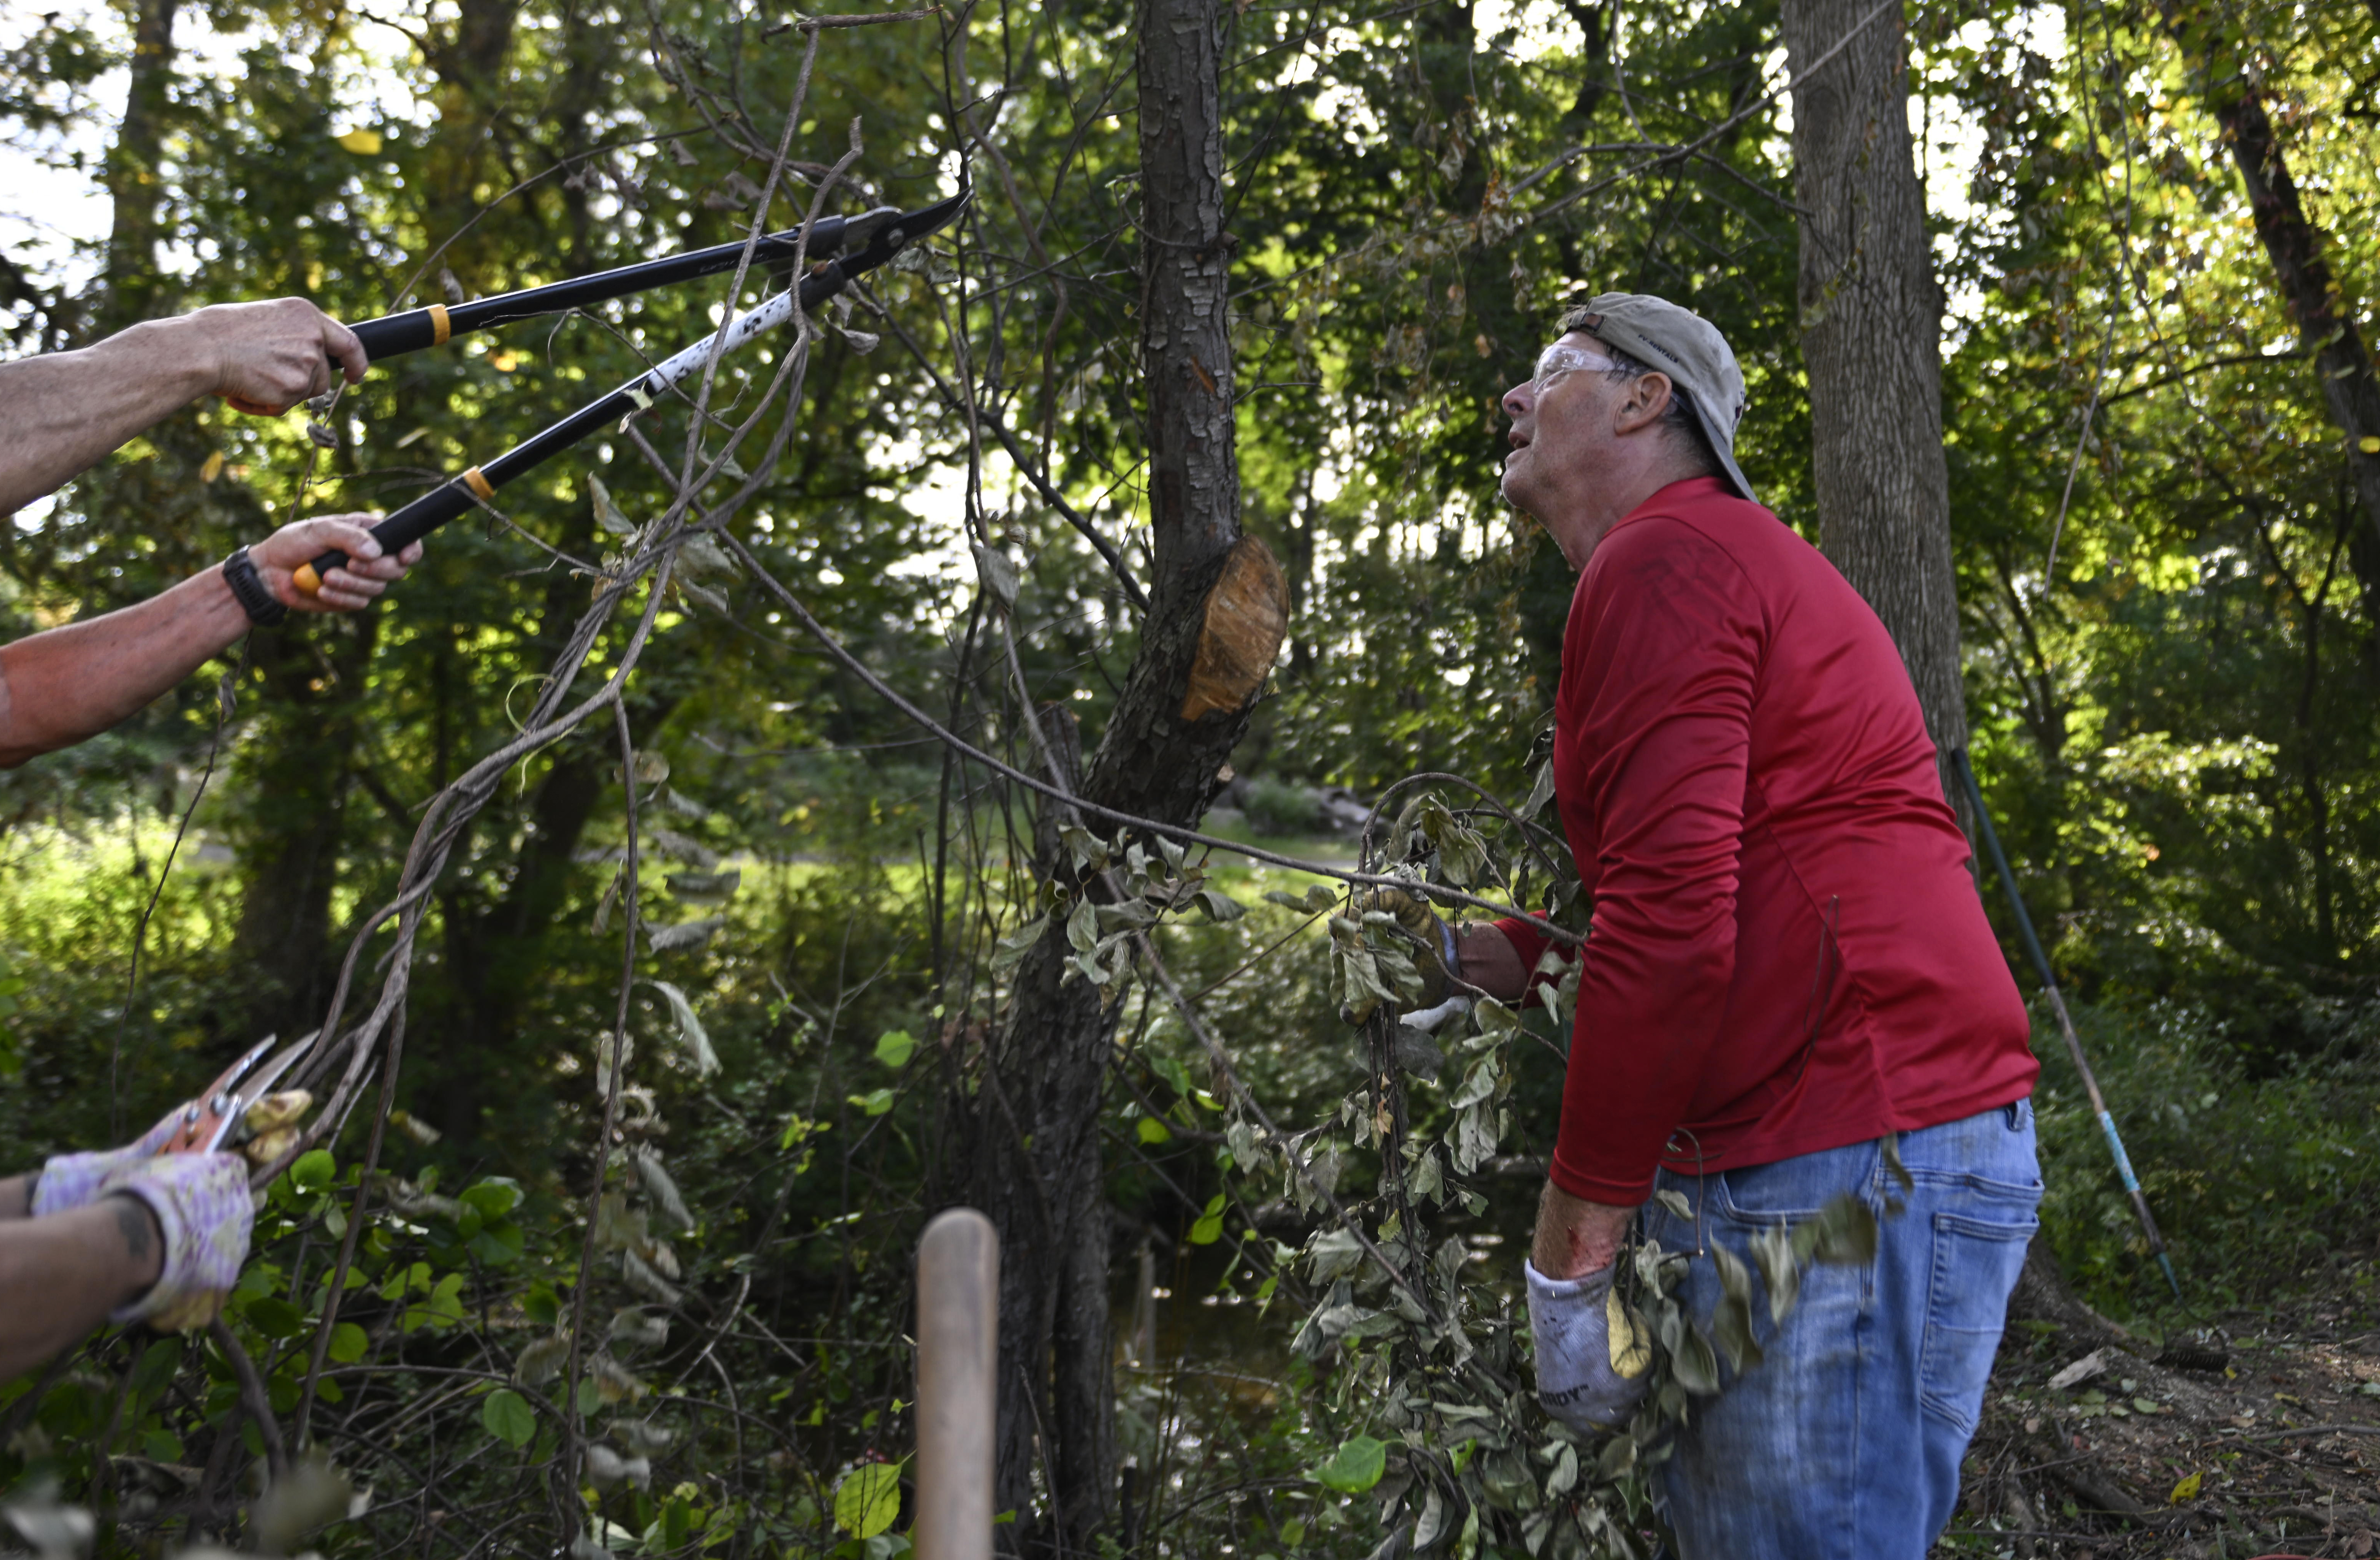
column 2211, row 42
column 1216, row 614
column 135, row 189
column 1871, row 336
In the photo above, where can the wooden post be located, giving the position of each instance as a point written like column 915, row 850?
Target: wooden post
column 958, row 1350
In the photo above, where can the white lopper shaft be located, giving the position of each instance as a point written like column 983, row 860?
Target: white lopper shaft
column 767, row 317
column 958, row 1349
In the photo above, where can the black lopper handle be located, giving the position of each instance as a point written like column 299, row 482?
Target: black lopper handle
column 402, row 528
column 394, row 335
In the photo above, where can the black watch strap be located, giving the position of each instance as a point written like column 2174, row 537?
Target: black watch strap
column 248, row 586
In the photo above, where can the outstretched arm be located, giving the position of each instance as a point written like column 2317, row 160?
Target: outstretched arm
column 66, row 411
column 60, row 1277
column 1492, row 964
column 62, row 686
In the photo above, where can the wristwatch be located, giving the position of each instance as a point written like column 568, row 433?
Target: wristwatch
column 248, row 587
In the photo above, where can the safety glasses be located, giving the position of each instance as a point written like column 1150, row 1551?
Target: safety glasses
column 1562, row 359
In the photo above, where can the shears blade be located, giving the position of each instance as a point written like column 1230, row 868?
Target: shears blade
column 205, row 1124
column 886, row 231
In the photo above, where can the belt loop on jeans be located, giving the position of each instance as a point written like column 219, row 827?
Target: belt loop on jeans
column 2012, row 1112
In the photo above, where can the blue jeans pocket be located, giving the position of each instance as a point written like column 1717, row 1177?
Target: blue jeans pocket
column 1975, row 1267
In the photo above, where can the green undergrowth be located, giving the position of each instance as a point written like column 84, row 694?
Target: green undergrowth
column 2259, row 1168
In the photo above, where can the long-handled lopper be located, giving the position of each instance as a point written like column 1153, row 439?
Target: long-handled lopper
column 859, row 244
column 2033, row 949
column 393, row 335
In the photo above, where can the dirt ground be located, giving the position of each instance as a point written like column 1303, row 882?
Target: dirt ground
column 2255, row 1434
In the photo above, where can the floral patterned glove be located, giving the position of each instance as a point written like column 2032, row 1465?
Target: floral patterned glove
column 1590, row 1374
column 72, row 1180
column 202, row 1205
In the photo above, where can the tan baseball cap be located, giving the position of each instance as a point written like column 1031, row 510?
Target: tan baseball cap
column 1685, row 346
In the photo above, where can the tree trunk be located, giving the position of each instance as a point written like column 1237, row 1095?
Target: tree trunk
column 289, row 836
column 1871, row 336
column 304, row 755
column 1027, row 1144
column 2297, row 246
column 134, row 186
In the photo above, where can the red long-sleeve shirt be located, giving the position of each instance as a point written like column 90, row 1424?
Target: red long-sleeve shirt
column 1788, row 953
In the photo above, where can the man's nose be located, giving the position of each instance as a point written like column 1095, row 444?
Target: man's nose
column 1516, row 400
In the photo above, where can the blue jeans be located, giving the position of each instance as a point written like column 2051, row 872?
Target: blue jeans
column 1844, row 1444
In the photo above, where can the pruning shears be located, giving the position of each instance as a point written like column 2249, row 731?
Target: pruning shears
column 843, row 248
column 218, row 1118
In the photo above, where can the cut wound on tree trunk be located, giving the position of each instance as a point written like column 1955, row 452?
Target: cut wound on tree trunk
column 1247, row 615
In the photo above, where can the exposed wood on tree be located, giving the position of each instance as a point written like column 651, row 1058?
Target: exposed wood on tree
column 1218, row 605
column 1247, row 612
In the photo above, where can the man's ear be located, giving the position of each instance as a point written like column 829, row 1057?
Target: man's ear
column 1648, row 397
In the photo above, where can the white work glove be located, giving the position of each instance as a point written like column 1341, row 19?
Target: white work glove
column 1578, row 1379
column 206, row 1216
column 70, row 1181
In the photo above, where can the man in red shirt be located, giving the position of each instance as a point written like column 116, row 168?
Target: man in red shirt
column 1789, row 967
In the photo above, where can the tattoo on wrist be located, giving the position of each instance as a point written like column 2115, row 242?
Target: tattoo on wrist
column 132, row 1219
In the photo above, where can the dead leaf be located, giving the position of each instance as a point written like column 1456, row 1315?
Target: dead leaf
column 2083, row 1369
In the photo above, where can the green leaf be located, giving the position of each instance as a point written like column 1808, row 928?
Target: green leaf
column 274, row 1317
column 893, row 1048
column 1013, row 948
column 1171, row 1070
column 542, row 1305
column 1355, row 1468
column 508, row 1418
column 1892, row 1162
column 1151, row 1130
column 997, row 573
column 1334, row 1253
column 1209, row 1227
column 1732, row 1323
column 1494, row 1019
column 1219, row 906
column 876, row 1101
column 1734, row 1279
column 1541, row 792
column 691, row 1032
column 499, row 1245
column 1695, row 1365
column 1772, row 1253
column 1846, row 1231
column 313, row 1170
column 347, row 1344
column 494, row 1196
column 867, row 1502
